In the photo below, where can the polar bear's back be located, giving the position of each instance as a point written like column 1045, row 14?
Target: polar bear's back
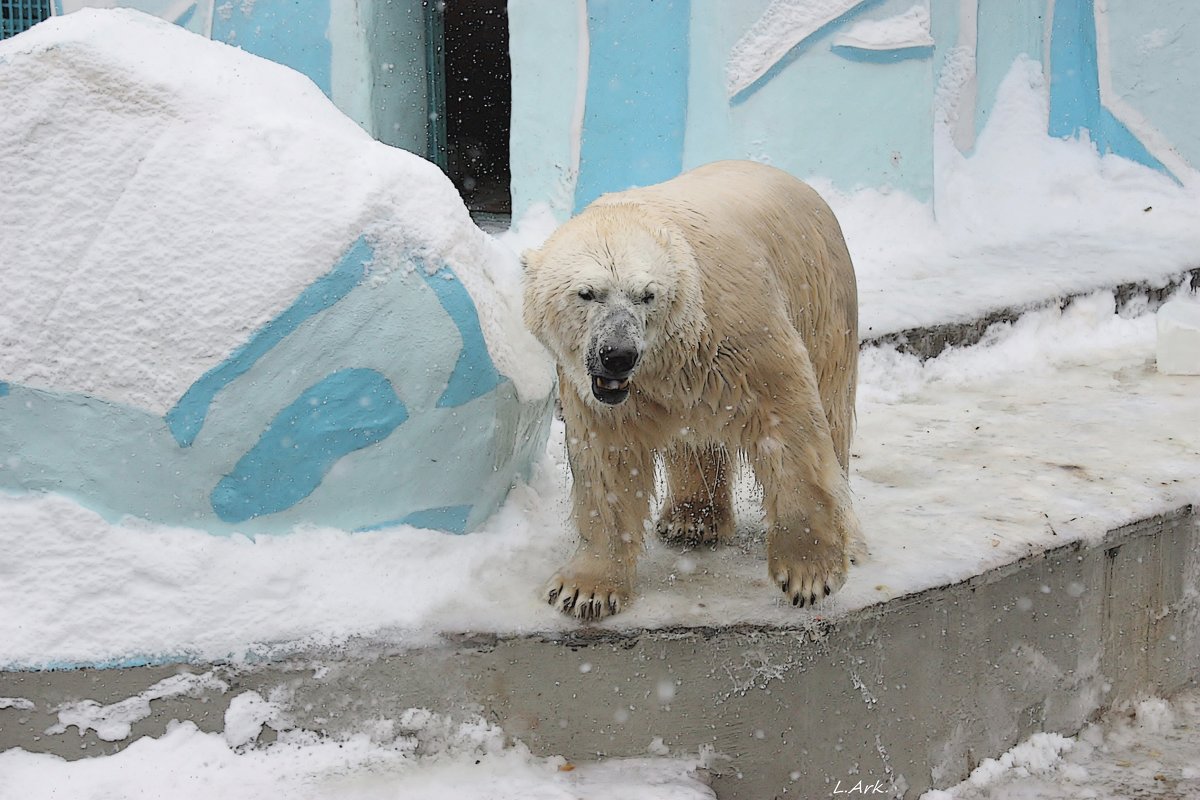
column 768, row 247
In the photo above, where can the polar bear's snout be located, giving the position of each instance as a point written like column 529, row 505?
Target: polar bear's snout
column 620, row 358
column 613, row 356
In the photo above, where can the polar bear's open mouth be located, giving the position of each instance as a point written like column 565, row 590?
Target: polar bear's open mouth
column 610, row 390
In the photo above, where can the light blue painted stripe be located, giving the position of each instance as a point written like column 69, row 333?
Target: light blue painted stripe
column 346, row 411
column 448, row 518
column 474, row 373
column 803, row 46
column 636, row 106
column 1075, row 102
column 187, row 417
column 1074, row 79
column 183, row 19
column 452, row 519
column 1120, row 140
column 110, row 663
column 868, row 55
column 289, row 32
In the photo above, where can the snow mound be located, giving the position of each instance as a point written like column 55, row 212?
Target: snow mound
column 228, row 307
column 208, row 187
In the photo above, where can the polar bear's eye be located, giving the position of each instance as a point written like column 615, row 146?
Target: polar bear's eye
column 648, row 298
column 586, row 294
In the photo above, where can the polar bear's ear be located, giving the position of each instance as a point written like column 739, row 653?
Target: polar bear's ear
column 530, row 259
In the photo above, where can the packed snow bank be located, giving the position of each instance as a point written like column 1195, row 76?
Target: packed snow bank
column 226, row 306
column 417, row 754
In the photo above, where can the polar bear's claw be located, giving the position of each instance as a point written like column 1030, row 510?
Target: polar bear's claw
column 695, row 522
column 804, row 584
column 585, row 605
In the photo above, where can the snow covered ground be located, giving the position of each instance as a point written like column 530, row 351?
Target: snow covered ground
column 418, row 755
column 1054, row 429
column 1148, row 749
column 1059, row 428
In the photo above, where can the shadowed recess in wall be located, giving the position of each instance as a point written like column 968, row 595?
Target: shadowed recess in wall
column 474, row 373
column 868, row 55
column 346, row 411
column 187, row 417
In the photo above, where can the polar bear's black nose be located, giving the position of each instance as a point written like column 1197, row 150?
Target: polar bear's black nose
column 618, row 360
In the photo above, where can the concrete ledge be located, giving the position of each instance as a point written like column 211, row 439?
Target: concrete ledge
column 913, row 692
column 930, row 342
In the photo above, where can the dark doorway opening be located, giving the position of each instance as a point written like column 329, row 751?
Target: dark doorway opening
column 478, row 92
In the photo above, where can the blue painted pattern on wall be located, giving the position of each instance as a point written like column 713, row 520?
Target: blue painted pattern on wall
column 452, row 519
column 347, row 411
column 448, row 518
column 1075, row 102
column 187, row 417
column 474, row 373
column 290, row 32
column 636, row 104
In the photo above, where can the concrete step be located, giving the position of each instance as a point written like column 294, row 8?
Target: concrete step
column 930, row 341
column 911, row 693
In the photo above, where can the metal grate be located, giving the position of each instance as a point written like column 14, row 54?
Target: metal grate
column 21, row 15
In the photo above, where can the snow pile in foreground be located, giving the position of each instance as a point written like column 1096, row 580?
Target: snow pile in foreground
column 417, row 754
column 1148, row 749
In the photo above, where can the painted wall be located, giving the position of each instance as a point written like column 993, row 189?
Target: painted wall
column 548, row 43
column 846, row 90
column 613, row 93
column 858, row 116
column 1152, row 66
column 652, row 96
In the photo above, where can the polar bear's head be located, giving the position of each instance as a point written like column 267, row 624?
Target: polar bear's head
column 610, row 294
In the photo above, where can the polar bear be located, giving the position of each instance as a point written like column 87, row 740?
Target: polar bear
column 698, row 320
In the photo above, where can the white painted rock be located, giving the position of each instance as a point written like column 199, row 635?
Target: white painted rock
column 229, row 308
column 1179, row 336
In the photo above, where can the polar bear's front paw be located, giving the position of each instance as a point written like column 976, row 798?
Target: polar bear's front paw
column 695, row 523
column 586, row 597
column 807, row 574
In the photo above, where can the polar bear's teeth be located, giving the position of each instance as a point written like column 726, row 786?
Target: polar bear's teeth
column 609, row 383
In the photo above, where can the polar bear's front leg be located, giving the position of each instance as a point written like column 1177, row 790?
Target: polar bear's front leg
column 812, row 531
column 610, row 495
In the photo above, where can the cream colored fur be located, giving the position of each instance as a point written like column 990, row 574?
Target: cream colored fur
column 749, row 346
